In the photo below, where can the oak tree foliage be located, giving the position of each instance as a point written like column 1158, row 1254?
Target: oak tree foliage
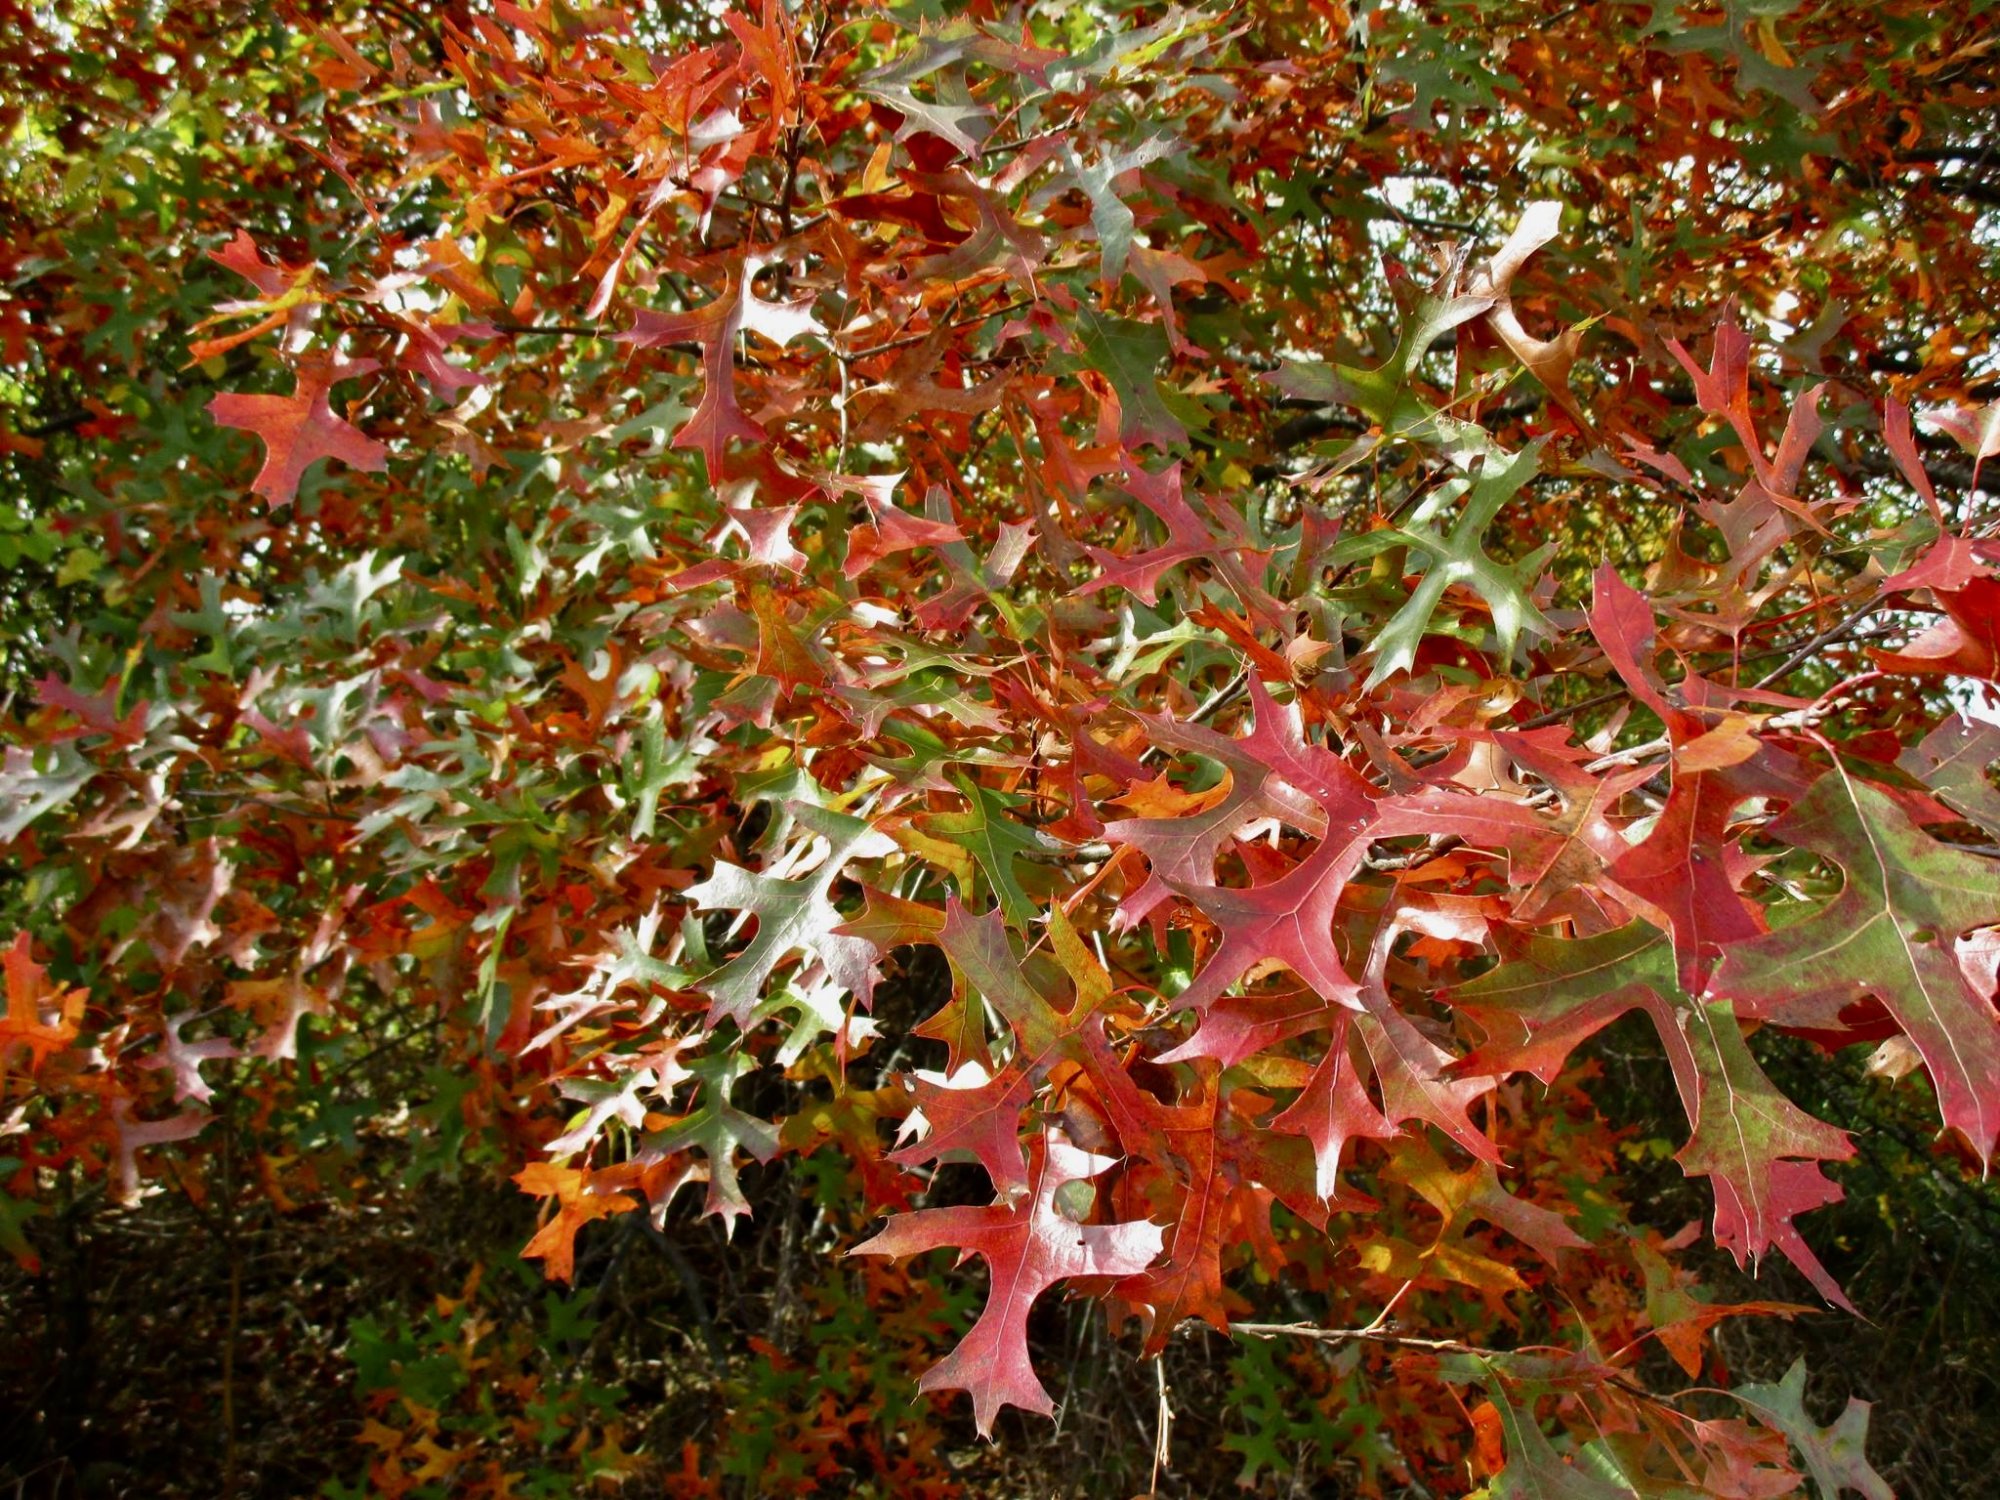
column 1172, row 604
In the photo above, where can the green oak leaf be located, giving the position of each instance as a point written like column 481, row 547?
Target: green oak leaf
column 1890, row 933
column 792, row 915
column 1129, row 355
column 718, row 1129
column 1534, row 1470
column 1760, row 1151
column 33, row 783
column 980, row 844
column 1109, row 216
column 1952, row 762
column 1383, row 393
column 1456, row 555
column 1836, row 1456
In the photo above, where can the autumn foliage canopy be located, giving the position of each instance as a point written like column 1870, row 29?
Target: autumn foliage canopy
column 1113, row 634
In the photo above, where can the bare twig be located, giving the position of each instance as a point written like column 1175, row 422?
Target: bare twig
column 1409, row 859
column 1370, row 1335
column 1819, row 642
column 909, row 340
column 1221, row 698
column 1163, row 1430
column 563, row 330
column 1582, row 705
column 1386, row 1337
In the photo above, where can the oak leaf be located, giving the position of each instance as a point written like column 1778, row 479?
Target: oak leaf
column 302, row 428
column 1891, row 933
column 792, row 915
column 1028, row 1247
column 41, row 1018
column 1836, row 1456
column 578, row 1202
column 1760, row 1151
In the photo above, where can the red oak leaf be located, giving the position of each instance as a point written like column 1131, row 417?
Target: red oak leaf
column 301, row 428
column 1218, row 1202
column 1028, row 1247
column 184, row 1059
column 1289, row 918
column 1271, row 771
column 1769, row 501
column 1334, row 1108
column 1686, row 870
column 242, row 256
column 578, row 1201
column 41, row 1018
column 971, row 1111
column 1046, row 1036
column 1966, row 643
column 1189, row 538
column 133, row 1136
column 713, row 327
column 1976, row 428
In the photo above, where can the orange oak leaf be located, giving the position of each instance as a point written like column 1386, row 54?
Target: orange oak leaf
column 577, row 1203
column 299, row 429
column 41, row 1018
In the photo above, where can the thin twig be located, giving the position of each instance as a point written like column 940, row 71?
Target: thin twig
column 232, row 1248
column 1222, row 697
column 917, row 338
column 1315, row 1334
column 1432, row 847
column 1163, row 1430
column 1557, row 715
column 1825, row 638
column 565, row 330
column 1216, row 701
column 1799, row 655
